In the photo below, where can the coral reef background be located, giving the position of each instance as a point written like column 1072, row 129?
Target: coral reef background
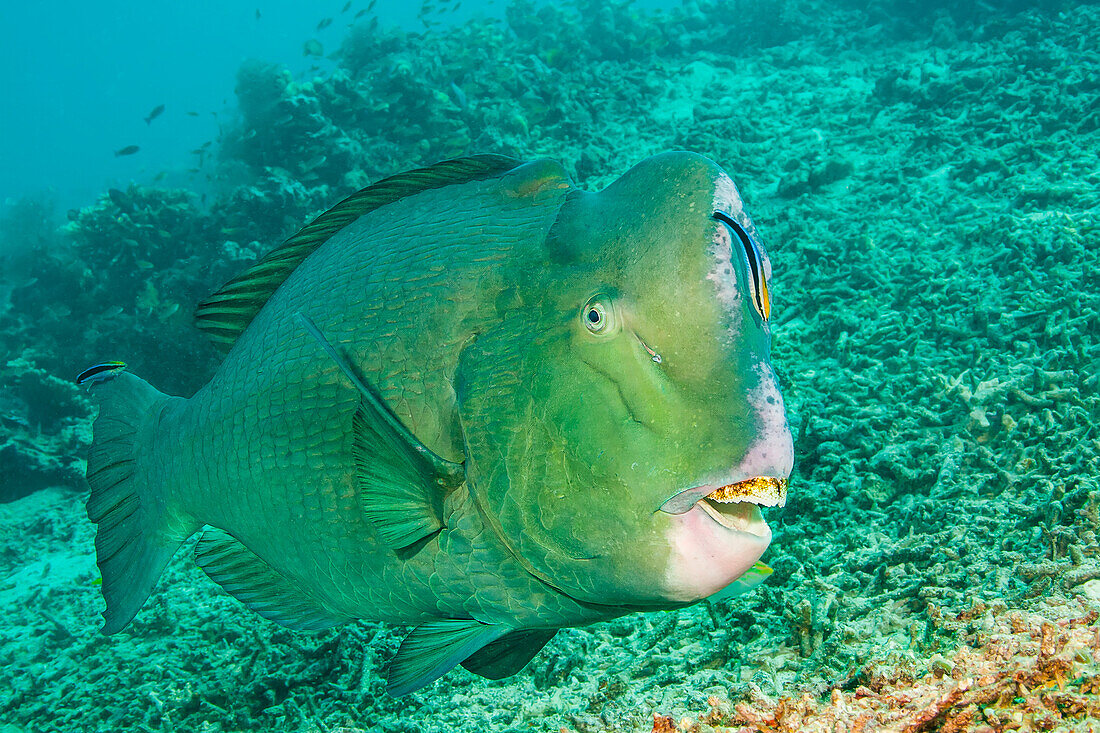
column 926, row 178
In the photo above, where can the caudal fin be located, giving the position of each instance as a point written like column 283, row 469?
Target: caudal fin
column 136, row 535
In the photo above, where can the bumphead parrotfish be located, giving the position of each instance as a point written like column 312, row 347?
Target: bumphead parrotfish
column 471, row 398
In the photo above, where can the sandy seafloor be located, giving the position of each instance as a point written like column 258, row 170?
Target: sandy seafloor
column 927, row 182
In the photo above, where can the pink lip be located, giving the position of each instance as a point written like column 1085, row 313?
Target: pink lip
column 708, row 555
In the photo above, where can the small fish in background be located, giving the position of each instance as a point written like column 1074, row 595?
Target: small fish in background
column 347, row 7
column 201, row 151
column 155, row 113
column 360, row 14
column 13, row 420
column 168, row 311
column 257, row 13
column 371, row 4
column 460, row 96
column 325, row 23
column 314, row 162
column 120, row 199
column 102, row 371
column 128, row 150
column 192, row 114
column 313, row 47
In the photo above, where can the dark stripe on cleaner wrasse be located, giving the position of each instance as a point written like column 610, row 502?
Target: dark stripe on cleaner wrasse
column 752, row 254
column 99, row 372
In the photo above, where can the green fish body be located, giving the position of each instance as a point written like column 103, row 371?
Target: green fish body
column 471, row 398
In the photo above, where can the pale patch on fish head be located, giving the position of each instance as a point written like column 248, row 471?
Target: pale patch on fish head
column 721, row 273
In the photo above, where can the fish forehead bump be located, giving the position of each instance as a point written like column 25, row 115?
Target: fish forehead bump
column 658, row 206
column 678, row 180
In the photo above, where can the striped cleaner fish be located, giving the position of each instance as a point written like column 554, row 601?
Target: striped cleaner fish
column 471, row 398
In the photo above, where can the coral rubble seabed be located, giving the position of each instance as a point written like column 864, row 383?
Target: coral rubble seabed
column 928, row 190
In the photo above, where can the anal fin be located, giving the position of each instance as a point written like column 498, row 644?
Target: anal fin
column 248, row 578
column 432, row 649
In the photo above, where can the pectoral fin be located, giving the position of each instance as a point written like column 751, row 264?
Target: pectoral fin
column 433, row 648
column 401, row 481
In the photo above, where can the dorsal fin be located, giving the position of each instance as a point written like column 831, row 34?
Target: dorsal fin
column 227, row 313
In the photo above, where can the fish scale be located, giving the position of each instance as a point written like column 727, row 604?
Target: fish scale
column 443, row 405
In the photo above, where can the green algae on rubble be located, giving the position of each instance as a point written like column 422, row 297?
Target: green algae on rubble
column 926, row 177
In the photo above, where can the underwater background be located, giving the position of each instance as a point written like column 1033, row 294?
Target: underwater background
column 926, row 176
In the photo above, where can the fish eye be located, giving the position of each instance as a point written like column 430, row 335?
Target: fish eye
column 595, row 318
column 596, row 315
column 755, row 261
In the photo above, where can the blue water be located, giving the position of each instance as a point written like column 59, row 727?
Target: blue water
column 79, row 78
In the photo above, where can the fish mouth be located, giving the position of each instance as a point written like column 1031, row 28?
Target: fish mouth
column 732, row 504
column 739, row 516
column 717, row 532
